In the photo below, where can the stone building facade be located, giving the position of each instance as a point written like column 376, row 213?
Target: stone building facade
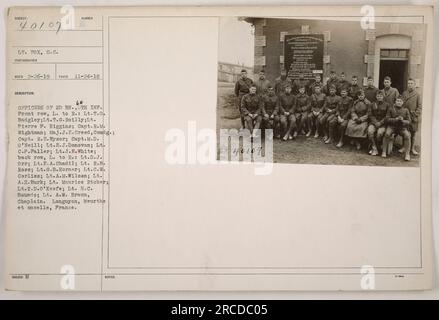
column 393, row 49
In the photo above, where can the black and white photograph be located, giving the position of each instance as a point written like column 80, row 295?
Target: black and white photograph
column 333, row 91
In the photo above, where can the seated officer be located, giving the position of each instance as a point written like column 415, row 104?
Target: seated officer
column 343, row 113
column 251, row 106
column 271, row 118
column 315, row 116
column 377, row 125
column 303, row 108
column 329, row 118
column 357, row 125
column 287, row 108
column 398, row 121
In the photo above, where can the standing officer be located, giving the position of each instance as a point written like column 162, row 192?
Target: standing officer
column 300, row 82
column 370, row 91
column 354, row 89
column 242, row 87
column 332, row 81
column 262, row 83
column 390, row 93
column 291, row 78
column 412, row 101
column 251, row 107
column 282, row 82
column 317, row 82
column 342, row 83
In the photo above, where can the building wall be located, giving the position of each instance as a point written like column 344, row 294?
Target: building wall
column 347, row 48
column 344, row 54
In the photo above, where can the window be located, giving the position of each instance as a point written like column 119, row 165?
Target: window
column 384, row 53
column 394, row 54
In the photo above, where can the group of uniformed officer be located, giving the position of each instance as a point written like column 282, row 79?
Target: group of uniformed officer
column 336, row 110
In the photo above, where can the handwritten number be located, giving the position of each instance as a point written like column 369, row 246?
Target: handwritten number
column 59, row 26
column 23, row 25
column 53, row 26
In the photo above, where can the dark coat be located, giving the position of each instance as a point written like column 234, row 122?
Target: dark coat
column 344, row 107
column 270, row 104
column 370, row 93
column 287, row 103
column 412, row 101
column 251, row 103
column 390, row 95
column 242, row 86
column 378, row 113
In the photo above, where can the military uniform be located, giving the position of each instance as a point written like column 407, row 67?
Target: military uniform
column 298, row 83
column 280, row 85
column 370, row 93
column 377, row 117
column 312, row 87
column 314, row 117
column 242, row 87
column 329, row 83
column 270, row 104
column 357, row 126
column 303, row 108
column 343, row 114
column 412, row 101
column 390, row 95
column 287, row 103
column 343, row 84
column 251, row 104
column 329, row 118
column 398, row 121
column 353, row 91
column 270, row 107
column 262, row 86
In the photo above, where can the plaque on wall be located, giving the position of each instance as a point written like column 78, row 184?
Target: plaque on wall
column 304, row 54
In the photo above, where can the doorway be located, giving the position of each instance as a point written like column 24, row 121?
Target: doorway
column 391, row 58
column 394, row 63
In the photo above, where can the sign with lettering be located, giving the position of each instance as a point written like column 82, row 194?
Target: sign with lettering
column 303, row 54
